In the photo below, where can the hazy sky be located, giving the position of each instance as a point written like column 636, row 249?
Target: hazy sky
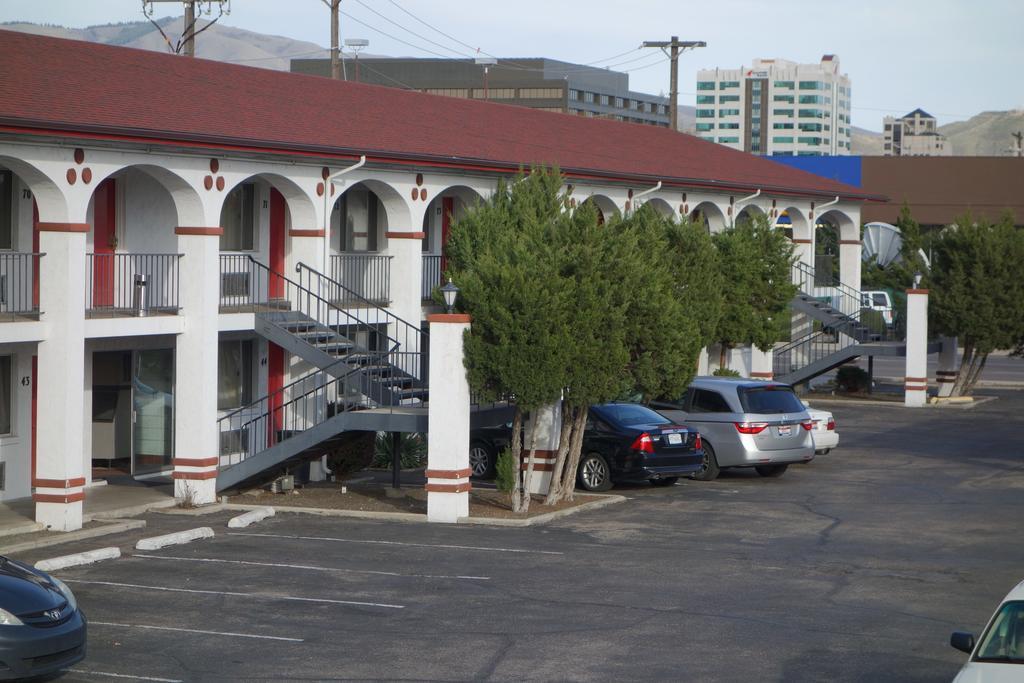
column 953, row 58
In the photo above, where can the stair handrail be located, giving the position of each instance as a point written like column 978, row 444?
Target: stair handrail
column 807, row 274
column 310, row 293
column 313, row 272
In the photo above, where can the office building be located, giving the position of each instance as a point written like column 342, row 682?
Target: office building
column 776, row 107
column 914, row 135
column 545, row 84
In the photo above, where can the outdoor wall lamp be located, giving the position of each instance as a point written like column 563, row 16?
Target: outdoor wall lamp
column 917, row 280
column 450, row 291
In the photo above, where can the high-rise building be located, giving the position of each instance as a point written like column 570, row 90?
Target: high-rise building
column 914, row 135
column 776, row 107
column 536, row 83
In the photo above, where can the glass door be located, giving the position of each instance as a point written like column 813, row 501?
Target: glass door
column 153, row 411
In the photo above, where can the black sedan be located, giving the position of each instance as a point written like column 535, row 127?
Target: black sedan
column 622, row 442
column 41, row 628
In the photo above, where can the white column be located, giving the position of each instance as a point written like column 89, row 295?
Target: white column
column 196, row 440
column 915, row 380
column 406, row 250
column 803, row 249
column 702, row 362
column 850, row 263
column 307, row 246
column 448, row 468
column 59, row 478
column 760, row 364
column 547, row 422
column 945, row 374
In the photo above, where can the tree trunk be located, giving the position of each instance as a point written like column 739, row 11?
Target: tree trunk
column 975, row 374
column 723, row 351
column 517, row 455
column 555, row 489
column 965, row 367
column 528, row 477
column 575, row 449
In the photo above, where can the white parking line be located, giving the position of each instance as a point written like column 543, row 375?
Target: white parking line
column 312, row 567
column 400, row 543
column 195, row 630
column 261, row 596
column 127, row 676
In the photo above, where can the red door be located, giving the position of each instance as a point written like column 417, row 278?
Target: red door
column 447, row 208
column 104, row 242
column 35, row 260
column 33, row 410
column 277, row 219
column 275, row 381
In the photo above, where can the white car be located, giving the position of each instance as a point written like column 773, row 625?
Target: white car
column 824, row 430
column 998, row 656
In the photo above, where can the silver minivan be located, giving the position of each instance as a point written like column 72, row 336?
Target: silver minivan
column 744, row 423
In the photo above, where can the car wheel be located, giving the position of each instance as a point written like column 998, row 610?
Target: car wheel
column 481, row 460
column 667, row 481
column 594, row 473
column 823, row 451
column 771, row 470
column 709, row 466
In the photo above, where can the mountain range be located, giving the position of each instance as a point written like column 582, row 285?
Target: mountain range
column 986, row 134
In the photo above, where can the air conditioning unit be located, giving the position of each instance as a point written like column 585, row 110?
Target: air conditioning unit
column 284, row 484
column 234, row 284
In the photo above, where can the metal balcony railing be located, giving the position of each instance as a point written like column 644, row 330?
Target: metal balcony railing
column 431, row 275
column 368, row 275
column 19, row 286
column 131, row 284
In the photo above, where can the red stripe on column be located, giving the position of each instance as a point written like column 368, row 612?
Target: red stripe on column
column 58, row 483
column 62, row 227
column 58, row 498
column 449, row 474
column 448, row 488
column 196, row 462
column 212, row 474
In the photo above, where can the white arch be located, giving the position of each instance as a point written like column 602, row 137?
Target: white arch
column 846, row 227
column 712, row 216
column 662, row 207
column 748, row 212
column 301, row 211
column 188, row 205
column 50, row 200
column 798, row 223
column 605, row 206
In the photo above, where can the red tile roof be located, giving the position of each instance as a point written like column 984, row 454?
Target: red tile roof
column 51, row 84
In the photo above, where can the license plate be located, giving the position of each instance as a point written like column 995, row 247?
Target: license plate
column 785, row 430
column 675, row 439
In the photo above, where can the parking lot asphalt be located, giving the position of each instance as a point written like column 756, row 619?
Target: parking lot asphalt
column 855, row 567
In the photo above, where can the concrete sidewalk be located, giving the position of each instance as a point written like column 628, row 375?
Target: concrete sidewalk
column 103, row 501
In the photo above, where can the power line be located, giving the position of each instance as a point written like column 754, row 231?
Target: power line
column 407, row 30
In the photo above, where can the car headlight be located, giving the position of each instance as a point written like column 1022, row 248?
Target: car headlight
column 8, row 619
column 68, row 595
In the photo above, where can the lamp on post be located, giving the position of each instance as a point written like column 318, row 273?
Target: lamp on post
column 917, row 280
column 356, row 44
column 450, row 291
column 487, row 63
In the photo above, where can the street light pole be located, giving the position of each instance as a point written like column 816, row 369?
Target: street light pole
column 356, row 44
column 487, row 63
column 675, row 47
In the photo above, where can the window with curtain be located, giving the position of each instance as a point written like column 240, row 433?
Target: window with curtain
column 6, row 210
column 234, row 374
column 5, row 394
column 238, row 218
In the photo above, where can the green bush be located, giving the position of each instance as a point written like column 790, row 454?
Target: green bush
column 412, row 449
column 505, row 471
column 851, row 379
column 353, row 454
column 725, row 372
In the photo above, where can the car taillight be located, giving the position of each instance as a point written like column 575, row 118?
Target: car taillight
column 831, row 425
column 697, row 443
column 750, row 427
column 808, row 425
column 643, row 443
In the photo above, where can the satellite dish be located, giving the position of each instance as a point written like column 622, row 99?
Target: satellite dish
column 882, row 242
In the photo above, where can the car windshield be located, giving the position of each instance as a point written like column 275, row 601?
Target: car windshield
column 633, row 415
column 1004, row 640
column 880, row 299
column 772, row 399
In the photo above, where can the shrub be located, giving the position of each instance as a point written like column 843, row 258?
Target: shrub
column 725, row 372
column 505, row 471
column 353, row 454
column 412, row 449
column 851, row 379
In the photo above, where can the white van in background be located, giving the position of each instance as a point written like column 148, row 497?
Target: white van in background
column 878, row 300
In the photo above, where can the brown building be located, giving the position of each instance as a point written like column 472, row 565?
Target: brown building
column 941, row 189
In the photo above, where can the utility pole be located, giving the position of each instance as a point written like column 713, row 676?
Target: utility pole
column 188, row 32
column 486, row 63
column 675, row 47
column 336, row 63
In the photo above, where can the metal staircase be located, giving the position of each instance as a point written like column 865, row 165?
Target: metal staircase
column 843, row 334
column 369, row 370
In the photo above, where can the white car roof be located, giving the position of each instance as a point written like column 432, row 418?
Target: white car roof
column 1017, row 593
